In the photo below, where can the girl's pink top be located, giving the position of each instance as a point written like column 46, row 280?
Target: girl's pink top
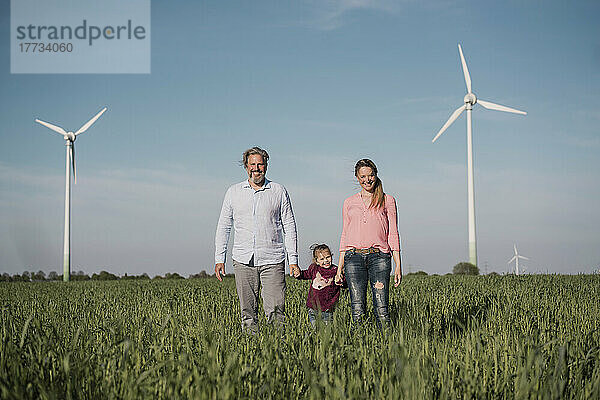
column 365, row 227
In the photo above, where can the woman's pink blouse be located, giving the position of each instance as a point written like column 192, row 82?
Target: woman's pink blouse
column 365, row 227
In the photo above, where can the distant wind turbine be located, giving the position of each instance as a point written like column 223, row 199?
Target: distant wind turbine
column 470, row 100
column 516, row 260
column 70, row 143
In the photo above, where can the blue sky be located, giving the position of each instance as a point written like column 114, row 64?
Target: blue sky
column 319, row 84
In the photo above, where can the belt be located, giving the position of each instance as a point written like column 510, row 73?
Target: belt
column 370, row 250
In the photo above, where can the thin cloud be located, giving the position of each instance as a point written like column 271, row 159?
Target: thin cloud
column 332, row 14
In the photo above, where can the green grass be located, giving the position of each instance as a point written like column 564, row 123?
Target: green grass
column 452, row 337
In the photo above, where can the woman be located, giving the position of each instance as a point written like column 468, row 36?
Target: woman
column 369, row 241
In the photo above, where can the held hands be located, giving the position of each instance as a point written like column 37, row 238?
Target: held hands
column 339, row 277
column 219, row 270
column 294, row 270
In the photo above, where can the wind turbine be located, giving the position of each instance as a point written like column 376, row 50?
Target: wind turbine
column 516, row 260
column 70, row 143
column 470, row 100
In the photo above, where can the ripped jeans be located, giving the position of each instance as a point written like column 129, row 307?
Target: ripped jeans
column 359, row 270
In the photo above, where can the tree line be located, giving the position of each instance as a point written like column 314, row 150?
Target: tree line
column 462, row 268
column 41, row 276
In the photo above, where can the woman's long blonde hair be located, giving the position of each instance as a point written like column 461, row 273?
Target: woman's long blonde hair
column 378, row 199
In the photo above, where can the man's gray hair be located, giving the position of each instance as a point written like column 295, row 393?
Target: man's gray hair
column 252, row 151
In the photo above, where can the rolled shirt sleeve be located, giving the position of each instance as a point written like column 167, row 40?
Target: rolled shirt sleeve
column 345, row 224
column 223, row 229
column 288, row 223
column 393, row 238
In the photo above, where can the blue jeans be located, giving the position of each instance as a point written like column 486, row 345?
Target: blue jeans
column 361, row 269
column 313, row 315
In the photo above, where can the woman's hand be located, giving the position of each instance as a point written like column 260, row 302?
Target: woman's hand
column 339, row 277
column 398, row 270
column 397, row 276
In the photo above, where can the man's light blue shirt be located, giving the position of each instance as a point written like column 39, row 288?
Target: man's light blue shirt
column 263, row 223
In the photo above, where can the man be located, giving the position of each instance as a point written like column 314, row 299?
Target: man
column 261, row 214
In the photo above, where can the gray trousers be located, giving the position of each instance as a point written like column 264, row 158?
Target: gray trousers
column 248, row 282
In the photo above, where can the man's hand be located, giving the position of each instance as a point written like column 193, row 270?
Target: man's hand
column 219, row 269
column 294, row 270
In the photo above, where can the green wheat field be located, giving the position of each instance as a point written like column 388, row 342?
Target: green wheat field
column 453, row 337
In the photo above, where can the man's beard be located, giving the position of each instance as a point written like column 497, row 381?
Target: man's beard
column 257, row 179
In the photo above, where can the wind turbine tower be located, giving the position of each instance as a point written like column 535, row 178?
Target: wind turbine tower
column 70, row 143
column 516, row 260
column 470, row 100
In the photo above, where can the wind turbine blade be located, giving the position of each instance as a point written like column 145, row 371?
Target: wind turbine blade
column 72, row 156
column 512, row 259
column 524, row 258
column 452, row 118
column 53, row 127
column 90, row 122
column 498, row 107
column 515, row 247
column 465, row 69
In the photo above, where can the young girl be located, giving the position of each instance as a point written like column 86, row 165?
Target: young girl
column 324, row 292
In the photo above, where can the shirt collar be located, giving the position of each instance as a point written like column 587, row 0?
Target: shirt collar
column 266, row 185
